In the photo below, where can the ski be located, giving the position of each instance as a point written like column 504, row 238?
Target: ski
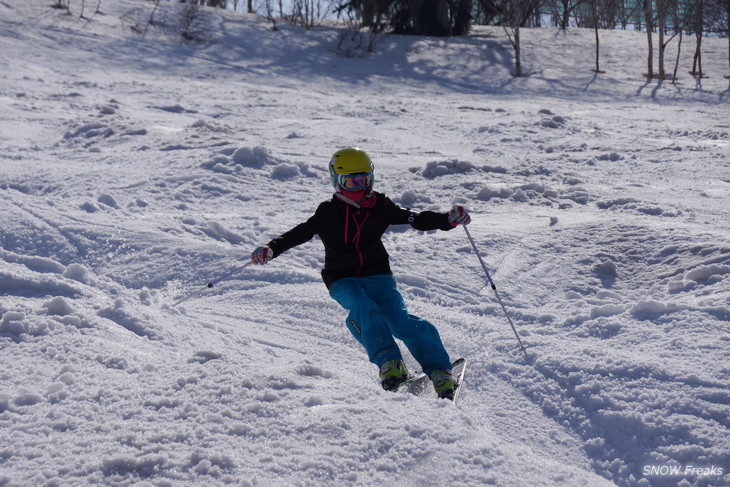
column 417, row 385
column 420, row 384
column 458, row 370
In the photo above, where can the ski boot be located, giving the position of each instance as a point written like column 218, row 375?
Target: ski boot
column 443, row 383
column 392, row 374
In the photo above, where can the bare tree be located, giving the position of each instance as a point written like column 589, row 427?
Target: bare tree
column 514, row 39
column 270, row 13
column 682, row 17
column 662, row 12
column 595, row 9
column 194, row 24
column 716, row 14
column 649, row 19
column 303, row 13
column 727, row 20
column 63, row 5
column 676, row 63
column 359, row 37
column 698, row 28
column 517, row 12
column 563, row 9
column 83, row 7
column 152, row 21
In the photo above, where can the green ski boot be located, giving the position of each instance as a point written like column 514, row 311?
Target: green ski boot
column 392, row 374
column 443, row 383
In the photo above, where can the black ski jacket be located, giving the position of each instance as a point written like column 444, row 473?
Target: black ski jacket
column 352, row 235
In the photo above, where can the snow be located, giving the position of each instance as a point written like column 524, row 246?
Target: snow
column 135, row 170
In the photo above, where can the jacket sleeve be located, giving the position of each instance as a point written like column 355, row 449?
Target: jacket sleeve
column 296, row 236
column 425, row 220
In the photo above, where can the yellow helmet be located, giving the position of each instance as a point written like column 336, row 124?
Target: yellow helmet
column 350, row 160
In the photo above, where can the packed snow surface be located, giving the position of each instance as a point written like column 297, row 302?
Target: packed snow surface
column 135, row 169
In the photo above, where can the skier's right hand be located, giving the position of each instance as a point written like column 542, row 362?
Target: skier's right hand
column 459, row 216
column 262, row 255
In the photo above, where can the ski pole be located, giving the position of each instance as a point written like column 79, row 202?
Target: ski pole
column 212, row 283
column 494, row 288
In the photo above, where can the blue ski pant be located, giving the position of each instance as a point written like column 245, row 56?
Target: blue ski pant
column 378, row 314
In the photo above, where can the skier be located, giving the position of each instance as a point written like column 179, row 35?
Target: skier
column 357, row 272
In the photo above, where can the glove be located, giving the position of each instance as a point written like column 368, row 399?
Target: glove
column 458, row 215
column 262, row 255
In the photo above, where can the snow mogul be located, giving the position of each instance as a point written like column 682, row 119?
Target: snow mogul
column 357, row 270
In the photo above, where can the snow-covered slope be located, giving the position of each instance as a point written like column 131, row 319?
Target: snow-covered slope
column 135, row 169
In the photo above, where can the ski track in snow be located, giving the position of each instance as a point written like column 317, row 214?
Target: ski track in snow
column 134, row 171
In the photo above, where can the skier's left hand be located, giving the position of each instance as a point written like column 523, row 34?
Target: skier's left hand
column 262, row 255
column 458, row 215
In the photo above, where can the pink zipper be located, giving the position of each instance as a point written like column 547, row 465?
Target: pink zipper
column 356, row 237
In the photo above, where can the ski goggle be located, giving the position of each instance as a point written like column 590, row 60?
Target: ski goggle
column 355, row 182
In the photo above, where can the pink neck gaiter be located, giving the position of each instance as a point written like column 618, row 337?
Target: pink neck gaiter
column 364, row 197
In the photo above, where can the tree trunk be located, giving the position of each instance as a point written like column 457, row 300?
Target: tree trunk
column 566, row 15
column 594, row 8
column 598, row 50
column 661, row 12
column 518, row 61
column 649, row 28
column 676, row 64
column 697, row 62
column 662, row 47
column 699, row 21
column 152, row 15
